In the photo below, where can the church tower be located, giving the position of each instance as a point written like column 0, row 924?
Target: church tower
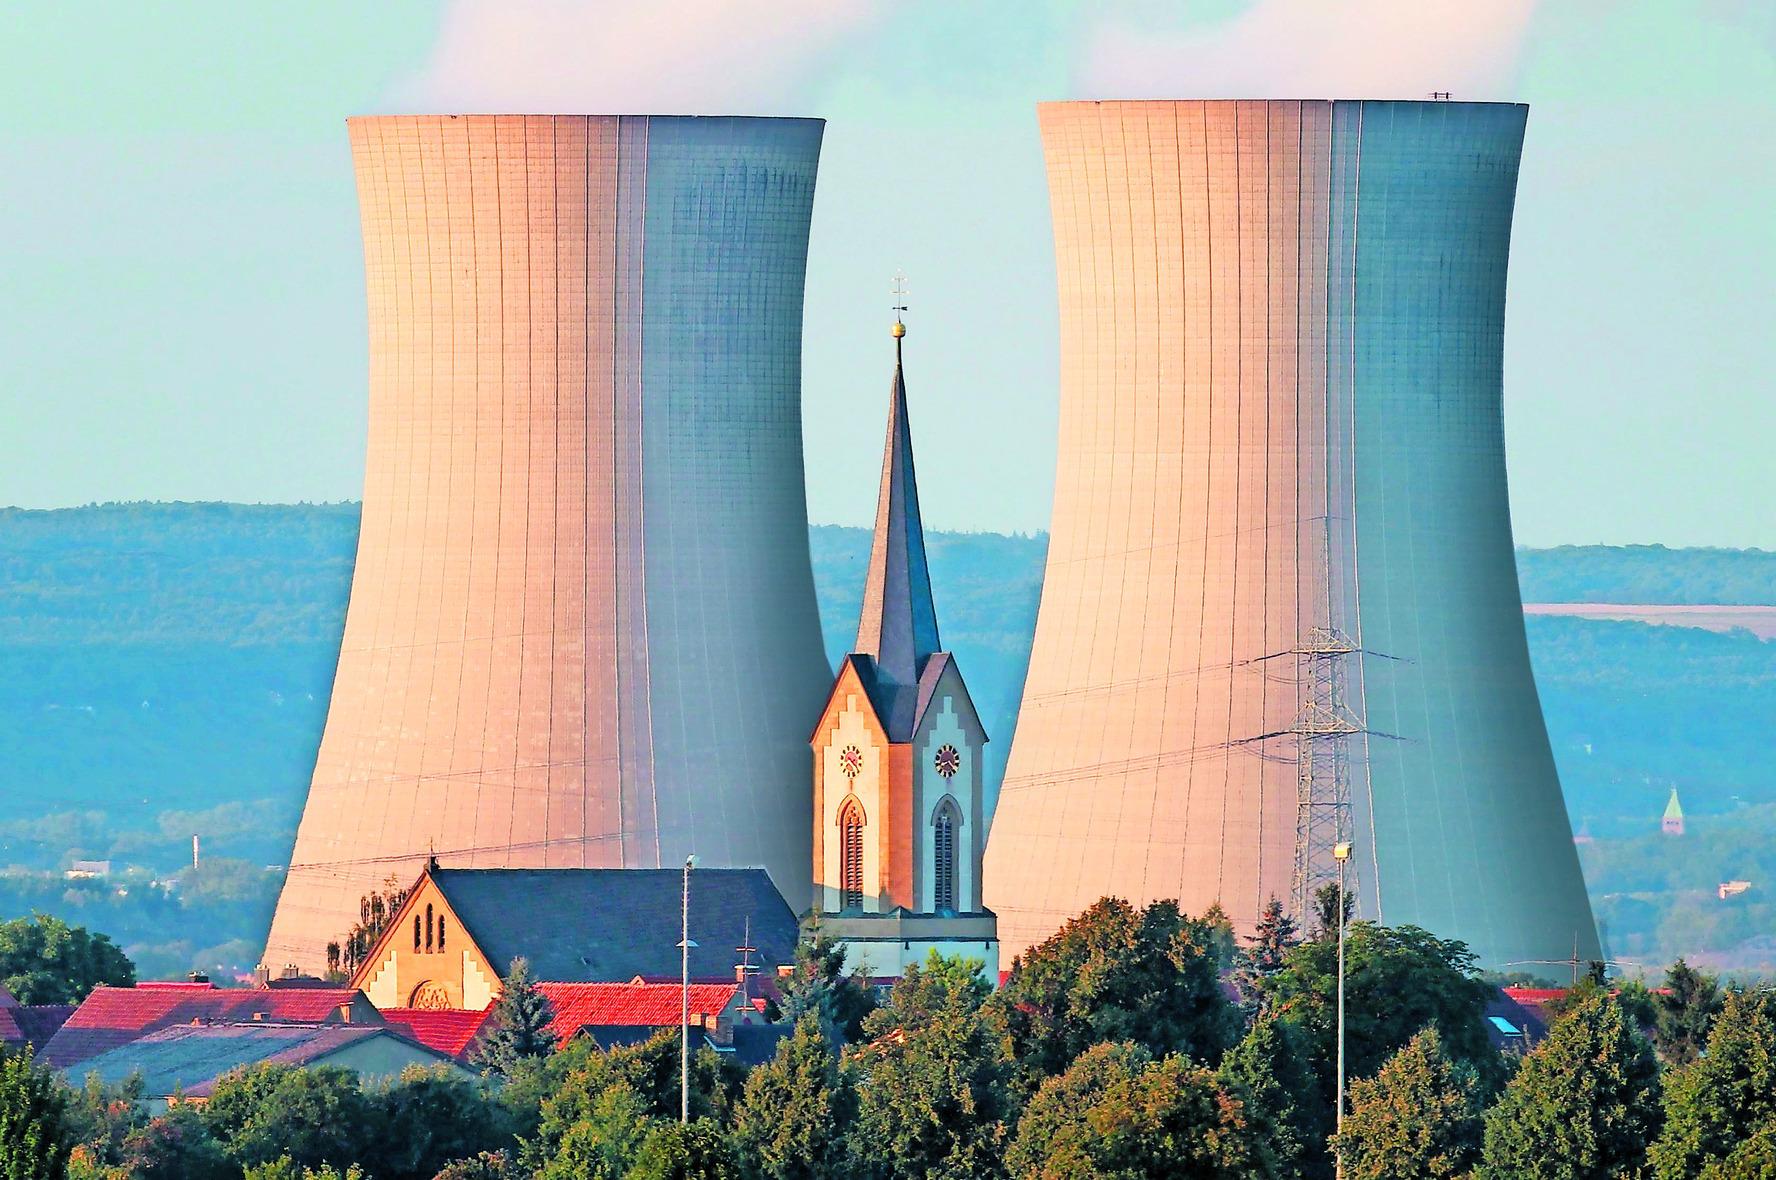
column 898, row 825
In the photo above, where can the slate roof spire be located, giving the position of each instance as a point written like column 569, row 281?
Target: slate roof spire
column 898, row 624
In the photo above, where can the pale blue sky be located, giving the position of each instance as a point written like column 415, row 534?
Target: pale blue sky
column 181, row 311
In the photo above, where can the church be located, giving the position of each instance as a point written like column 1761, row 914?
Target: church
column 898, row 823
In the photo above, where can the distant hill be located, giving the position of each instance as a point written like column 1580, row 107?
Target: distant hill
column 179, row 656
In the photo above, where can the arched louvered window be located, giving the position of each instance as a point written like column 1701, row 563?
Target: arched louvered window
column 851, row 856
column 416, row 932
column 943, row 862
column 440, row 932
column 428, row 928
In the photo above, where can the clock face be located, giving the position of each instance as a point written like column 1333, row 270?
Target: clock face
column 851, row 761
column 948, row 761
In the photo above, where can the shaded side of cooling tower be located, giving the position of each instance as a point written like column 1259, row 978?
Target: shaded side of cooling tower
column 582, row 628
column 1281, row 608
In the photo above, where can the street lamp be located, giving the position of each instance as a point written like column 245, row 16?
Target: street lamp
column 684, row 958
column 1341, row 852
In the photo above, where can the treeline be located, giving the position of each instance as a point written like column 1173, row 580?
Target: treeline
column 1648, row 574
column 1137, row 1042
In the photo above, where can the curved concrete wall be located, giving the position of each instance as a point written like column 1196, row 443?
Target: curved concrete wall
column 582, row 628
column 1282, row 332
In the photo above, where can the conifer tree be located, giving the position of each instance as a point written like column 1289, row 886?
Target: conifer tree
column 1583, row 1106
column 1269, row 1073
column 1274, row 934
column 1727, row 1097
column 519, row 1028
column 1684, row 1010
column 35, row 1138
column 1417, row 1119
column 819, row 984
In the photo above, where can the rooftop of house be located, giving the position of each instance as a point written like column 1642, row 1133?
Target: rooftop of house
column 114, row 1016
column 451, row 1031
column 630, row 1005
column 188, row 1059
column 32, row 1024
column 611, row 925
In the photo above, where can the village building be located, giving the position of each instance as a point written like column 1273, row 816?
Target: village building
column 1672, row 824
column 29, row 1025
column 454, row 938
column 899, row 829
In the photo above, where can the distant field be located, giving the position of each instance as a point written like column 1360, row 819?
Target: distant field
column 1759, row 620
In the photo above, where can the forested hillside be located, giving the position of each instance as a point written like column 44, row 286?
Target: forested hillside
column 167, row 669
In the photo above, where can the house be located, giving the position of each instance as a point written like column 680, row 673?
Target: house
column 455, row 936
column 87, row 870
column 184, row 1062
column 453, row 1032
column 115, row 1016
column 32, row 1025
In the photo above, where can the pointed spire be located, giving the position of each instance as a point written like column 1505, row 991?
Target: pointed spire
column 898, row 624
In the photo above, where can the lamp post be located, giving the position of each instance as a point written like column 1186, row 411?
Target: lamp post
column 1340, row 853
column 684, row 958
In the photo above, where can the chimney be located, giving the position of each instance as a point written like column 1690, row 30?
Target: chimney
column 196, row 977
column 289, row 971
column 262, row 977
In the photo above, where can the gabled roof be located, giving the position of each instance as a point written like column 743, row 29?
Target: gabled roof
column 7, row 1000
column 33, row 1025
column 190, row 1058
column 611, row 925
column 1673, row 809
column 897, row 627
column 630, row 1005
column 113, row 1016
column 901, row 708
column 446, row 1030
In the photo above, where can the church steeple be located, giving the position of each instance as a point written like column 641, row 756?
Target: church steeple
column 898, row 624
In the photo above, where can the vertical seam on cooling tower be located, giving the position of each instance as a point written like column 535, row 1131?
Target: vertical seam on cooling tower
column 1239, row 422
column 647, row 124
column 581, row 624
column 1356, row 564
column 505, row 468
column 1208, row 456
column 619, row 341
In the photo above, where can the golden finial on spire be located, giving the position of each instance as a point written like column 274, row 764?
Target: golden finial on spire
column 900, row 304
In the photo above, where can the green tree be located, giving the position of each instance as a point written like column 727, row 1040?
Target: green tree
column 35, row 1137
column 487, row 1165
column 1417, row 1119
column 926, row 990
column 1583, row 1106
column 314, row 1116
column 1118, row 1114
column 175, row 1146
column 795, row 1111
column 1724, row 1098
column 1271, row 939
column 818, row 983
column 102, row 1116
column 599, row 1142
column 1397, row 980
column 1326, row 905
column 934, row 1098
column 1116, row 973
column 519, row 1027
column 1268, row 1071
column 433, row 1116
column 684, row 1151
column 1684, row 1010
column 43, row 960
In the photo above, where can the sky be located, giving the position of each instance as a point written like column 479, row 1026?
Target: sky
column 181, row 300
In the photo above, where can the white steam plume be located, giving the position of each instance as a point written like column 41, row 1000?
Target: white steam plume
column 627, row 57
column 1315, row 49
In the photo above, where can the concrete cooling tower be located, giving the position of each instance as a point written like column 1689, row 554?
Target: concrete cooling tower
column 1281, row 609
column 582, row 628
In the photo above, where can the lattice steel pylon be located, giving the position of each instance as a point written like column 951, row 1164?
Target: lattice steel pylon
column 1323, row 729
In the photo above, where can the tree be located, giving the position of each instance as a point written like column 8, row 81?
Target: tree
column 1326, row 906
column 519, row 1028
column 1397, row 980
column 1116, row 973
column 43, row 960
column 1268, row 1071
column 376, row 910
column 600, row 1144
column 175, row 1146
column 796, row 1110
column 1684, row 1011
column 1271, row 940
column 433, row 1116
column 818, row 983
column 1583, row 1106
column 934, row 1097
column 487, row 1165
column 675, row 1150
column 1118, row 1114
column 1724, row 1098
column 1418, row 1119
column 314, row 1116
column 102, row 1116
column 35, row 1138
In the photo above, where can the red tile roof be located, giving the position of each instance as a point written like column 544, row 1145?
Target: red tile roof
column 113, row 1016
column 634, row 1005
column 448, row 1030
column 6, row 998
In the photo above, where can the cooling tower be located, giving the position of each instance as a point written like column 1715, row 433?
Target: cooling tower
column 582, row 628
column 1281, row 609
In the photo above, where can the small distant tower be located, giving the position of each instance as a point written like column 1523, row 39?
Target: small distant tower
column 898, row 825
column 1673, row 823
